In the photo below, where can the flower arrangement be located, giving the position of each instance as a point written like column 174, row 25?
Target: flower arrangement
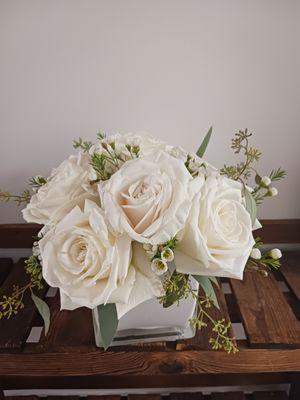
column 130, row 218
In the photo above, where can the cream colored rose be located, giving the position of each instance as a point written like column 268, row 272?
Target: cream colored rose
column 68, row 186
column 217, row 239
column 91, row 266
column 148, row 198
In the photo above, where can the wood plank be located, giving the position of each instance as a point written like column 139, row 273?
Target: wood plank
column 291, row 271
column 5, row 267
column 201, row 339
column 18, row 236
column 272, row 231
column 267, row 317
column 279, row 395
column 68, row 329
column 144, row 397
column 279, row 231
column 14, row 331
column 186, row 396
column 148, row 369
column 104, row 398
column 228, row 396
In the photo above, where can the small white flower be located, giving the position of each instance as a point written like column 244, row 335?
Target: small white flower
column 158, row 266
column 265, row 180
column 255, row 254
column 167, row 255
column 273, row 192
column 275, row 254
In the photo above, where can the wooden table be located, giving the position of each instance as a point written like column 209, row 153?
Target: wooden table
column 268, row 308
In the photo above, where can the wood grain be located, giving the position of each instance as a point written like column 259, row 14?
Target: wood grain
column 291, row 271
column 267, row 317
column 73, row 329
column 150, row 369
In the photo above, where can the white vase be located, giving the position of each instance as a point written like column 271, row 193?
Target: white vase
column 151, row 322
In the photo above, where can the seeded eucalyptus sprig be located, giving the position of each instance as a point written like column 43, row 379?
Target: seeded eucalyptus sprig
column 177, row 286
column 24, row 197
column 12, row 303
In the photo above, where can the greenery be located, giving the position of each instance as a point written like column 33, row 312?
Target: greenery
column 177, row 287
column 11, row 304
column 82, row 144
column 37, row 181
column 24, row 197
column 265, row 263
column 244, row 170
column 200, row 152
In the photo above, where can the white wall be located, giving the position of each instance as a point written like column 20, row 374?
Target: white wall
column 172, row 68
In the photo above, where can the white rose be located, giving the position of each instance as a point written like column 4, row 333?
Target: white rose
column 67, row 186
column 148, row 198
column 217, row 239
column 91, row 266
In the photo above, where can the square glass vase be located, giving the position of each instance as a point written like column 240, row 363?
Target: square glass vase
column 151, row 322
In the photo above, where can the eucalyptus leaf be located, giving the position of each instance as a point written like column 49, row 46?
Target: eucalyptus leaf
column 205, row 283
column 108, row 320
column 203, row 146
column 43, row 309
column 214, row 280
column 250, row 205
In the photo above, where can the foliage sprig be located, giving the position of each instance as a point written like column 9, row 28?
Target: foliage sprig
column 12, row 303
column 24, row 197
column 177, row 287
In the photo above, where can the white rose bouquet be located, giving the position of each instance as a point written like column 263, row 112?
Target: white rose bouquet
column 131, row 218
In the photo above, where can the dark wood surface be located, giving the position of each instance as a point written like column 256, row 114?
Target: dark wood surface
column 262, row 395
column 272, row 231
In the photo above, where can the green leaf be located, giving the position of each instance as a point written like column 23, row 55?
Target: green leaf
column 205, row 283
column 43, row 309
column 108, row 319
column 250, row 205
column 214, row 280
column 202, row 148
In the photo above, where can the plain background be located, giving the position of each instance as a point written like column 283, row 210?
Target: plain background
column 172, row 68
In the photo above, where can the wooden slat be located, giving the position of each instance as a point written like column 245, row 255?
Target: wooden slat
column 18, row 236
column 228, row 396
column 279, row 231
column 147, row 369
column 103, row 398
column 186, row 396
column 267, row 317
column 272, row 231
column 68, row 329
column 291, row 271
column 201, row 339
column 14, row 331
column 5, row 267
column 279, row 395
column 144, row 397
